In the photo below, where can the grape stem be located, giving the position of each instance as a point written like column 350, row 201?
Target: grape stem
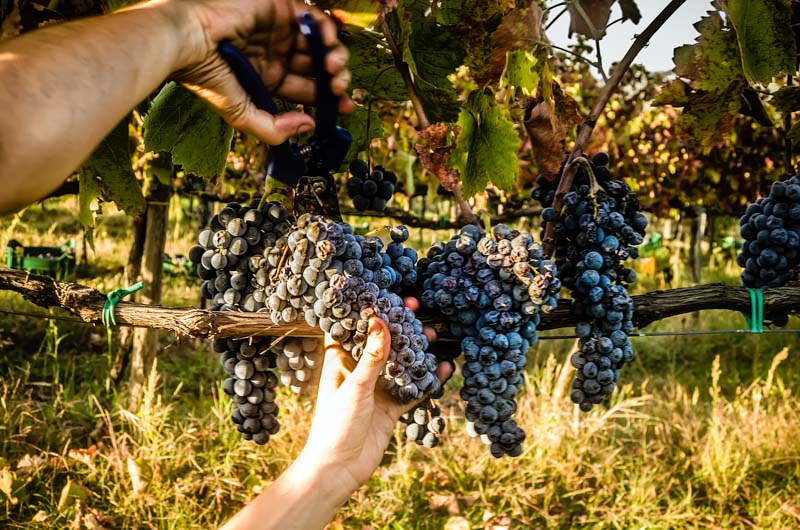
column 585, row 132
column 465, row 211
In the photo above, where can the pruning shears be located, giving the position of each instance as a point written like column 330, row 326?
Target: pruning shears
column 306, row 168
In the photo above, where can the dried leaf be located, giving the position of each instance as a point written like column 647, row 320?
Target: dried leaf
column 630, row 11
column 136, row 477
column 12, row 24
column 589, row 17
column 30, row 464
column 438, row 501
column 521, row 29
column 457, row 523
column 568, row 110
column 434, row 149
column 7, row 484
column 547, row 134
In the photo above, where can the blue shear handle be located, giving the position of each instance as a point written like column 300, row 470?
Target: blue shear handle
column 286, row 165
column 327, row 103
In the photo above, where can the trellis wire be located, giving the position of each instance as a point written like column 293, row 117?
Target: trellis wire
column 690, row 333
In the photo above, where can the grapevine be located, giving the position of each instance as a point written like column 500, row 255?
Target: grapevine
column 597, row 230
column 770, row 228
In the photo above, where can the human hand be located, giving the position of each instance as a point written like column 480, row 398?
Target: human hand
column 354, row 421
column 267, row 33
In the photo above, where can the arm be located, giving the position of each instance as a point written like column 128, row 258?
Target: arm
column 352, row 426
column 64, row 87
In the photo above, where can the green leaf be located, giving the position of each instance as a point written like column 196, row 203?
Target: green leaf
column 108, row 173
column 372, row 66
column 472, row 23
column 180, row 123
column 708, row 116
column 522, row 71
column 675, row 93
column 765, row 36
column 794, row 133
column 787, row 99
column 356, row 123
column 713, row 63
column 432, row 54
column 487, row 145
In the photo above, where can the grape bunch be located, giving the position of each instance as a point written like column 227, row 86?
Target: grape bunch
column 252, row 259
column 251, row 385
column 297, row 357
column 337, row 280
column 424, row 424
column 771, row 231
column 492, row 287
column 597, row 230
column 230, row 254
column 370, row 190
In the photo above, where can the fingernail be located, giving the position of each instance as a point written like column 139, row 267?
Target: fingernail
column 307, row 127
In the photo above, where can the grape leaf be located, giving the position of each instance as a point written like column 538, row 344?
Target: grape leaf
column 794, row 133
column 765, row 36
column 547, row 134
column 180, row 123
column 471, row 23
column 708, row 116
column 371, row 65
column 521, row 29
column 356, row 123
column 487, row 145
column 433, row 147
column 787, row 99
column 589, row 17
column 713, row 63
column 522, row 71
column 110, row 167
column 675, row 93
column 566, row 108
column 432, row 54
column 630, row 11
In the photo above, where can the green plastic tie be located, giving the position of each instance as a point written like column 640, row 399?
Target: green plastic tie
column 756, row 319
column 113, row 298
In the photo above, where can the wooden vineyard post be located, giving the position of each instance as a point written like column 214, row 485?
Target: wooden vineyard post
column 145, row 340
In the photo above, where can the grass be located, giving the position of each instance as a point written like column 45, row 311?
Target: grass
column 705, row 432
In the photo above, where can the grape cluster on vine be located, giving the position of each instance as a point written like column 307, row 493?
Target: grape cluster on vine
column 253, row 259
column 370, row 190
column 770, row 227
column 493, row 288
column 595, row 233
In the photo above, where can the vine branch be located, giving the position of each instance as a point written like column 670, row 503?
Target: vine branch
column 585, row 132
column 87, row 304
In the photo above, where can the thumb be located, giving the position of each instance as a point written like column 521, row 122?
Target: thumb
column 373, row 359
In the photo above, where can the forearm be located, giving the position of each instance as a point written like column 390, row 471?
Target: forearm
column 63, row 88
column 303, row 497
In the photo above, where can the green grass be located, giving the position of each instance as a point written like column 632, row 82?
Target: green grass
column 704, row 433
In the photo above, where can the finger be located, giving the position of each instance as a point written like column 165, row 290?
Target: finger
column 445, row 370
column 332, row 373
column 430, row 334
column 302, row 89
column 373, row 359
column 412, row 303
